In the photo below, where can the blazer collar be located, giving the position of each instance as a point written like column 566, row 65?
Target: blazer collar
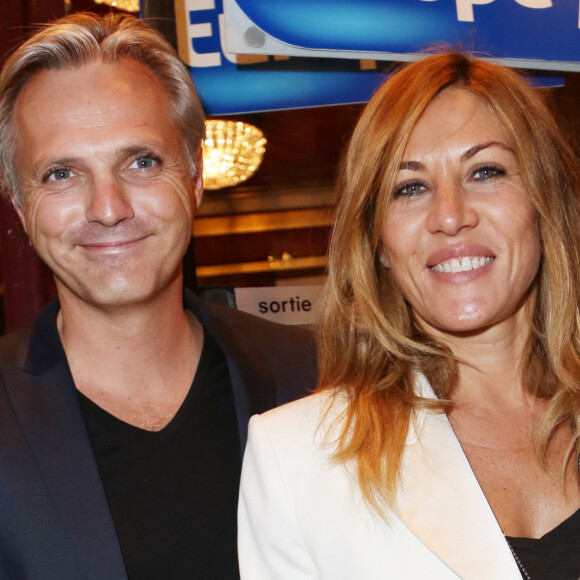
column 246, row 370
column 45, row 401
column 442, row 503
column 44, row 348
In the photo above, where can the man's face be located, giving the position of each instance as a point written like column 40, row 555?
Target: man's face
column 108, row 199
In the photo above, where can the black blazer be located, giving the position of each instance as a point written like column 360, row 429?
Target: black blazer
column 55, row 522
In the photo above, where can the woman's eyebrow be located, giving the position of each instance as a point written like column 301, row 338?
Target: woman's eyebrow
column 472, row 151
column 411, row 165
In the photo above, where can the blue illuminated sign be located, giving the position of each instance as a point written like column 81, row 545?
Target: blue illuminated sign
column 545, row 33
column 231, row 83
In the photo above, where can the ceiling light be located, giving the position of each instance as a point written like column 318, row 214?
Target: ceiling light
column 232, row 151
column 126, row 5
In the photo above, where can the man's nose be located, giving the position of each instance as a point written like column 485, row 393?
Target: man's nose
column 108, row 203
column 451, row 210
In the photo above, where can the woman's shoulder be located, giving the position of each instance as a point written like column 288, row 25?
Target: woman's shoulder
column 312, row 407
column 312, row 415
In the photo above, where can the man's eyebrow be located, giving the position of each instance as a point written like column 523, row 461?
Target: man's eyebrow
column 44, row 165
column 131, row 150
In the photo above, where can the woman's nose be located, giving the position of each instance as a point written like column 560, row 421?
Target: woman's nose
column 451, row 210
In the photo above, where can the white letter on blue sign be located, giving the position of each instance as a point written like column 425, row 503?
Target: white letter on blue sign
column 201, row 30
column 535, row 3
column 465, row 9
column 202, row 59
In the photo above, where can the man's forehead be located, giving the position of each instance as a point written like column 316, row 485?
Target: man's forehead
column 123, row 75
column 91, row 92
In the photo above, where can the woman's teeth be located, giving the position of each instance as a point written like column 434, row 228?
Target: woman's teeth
column 462, row 264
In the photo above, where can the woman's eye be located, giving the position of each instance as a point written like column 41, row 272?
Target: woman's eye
column 58, row 175
column 487, row 172
column 409, row 189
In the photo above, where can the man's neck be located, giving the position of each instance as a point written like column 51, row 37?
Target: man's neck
column 136, row 362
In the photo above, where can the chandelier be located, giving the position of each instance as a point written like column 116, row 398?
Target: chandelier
column 232, row 151
column 126, row 5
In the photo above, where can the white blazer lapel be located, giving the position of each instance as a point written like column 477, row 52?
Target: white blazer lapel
column 442, row 503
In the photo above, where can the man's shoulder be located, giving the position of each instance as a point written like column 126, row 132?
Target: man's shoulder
column 253, row 332
column 277, row 363
column 36, row 346
column 14, row 347
column 261, row 325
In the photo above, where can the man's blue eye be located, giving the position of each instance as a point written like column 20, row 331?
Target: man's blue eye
column 144, row 163
column 59, row 175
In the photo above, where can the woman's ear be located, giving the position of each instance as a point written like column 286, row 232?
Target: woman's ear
column 384, row 258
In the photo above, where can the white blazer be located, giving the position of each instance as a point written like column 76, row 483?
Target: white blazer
column 302, row 516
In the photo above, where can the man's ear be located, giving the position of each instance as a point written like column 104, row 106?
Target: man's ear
column 383, row 257
column 198, row 178
column 19, row 210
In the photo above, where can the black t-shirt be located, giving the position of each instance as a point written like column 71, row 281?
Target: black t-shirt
column 173, row 493
column 554, row 556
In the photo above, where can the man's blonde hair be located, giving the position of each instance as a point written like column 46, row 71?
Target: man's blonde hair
column 83, row 38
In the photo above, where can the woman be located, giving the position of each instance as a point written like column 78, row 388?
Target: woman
column 441, row 441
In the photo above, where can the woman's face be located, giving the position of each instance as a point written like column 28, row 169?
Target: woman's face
column 461, row 237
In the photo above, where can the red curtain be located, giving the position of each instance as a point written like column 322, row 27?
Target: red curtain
column 28, row 284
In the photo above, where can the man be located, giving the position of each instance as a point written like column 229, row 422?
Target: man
column 123, row 411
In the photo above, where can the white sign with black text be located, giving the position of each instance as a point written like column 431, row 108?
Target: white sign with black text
column 284, row 304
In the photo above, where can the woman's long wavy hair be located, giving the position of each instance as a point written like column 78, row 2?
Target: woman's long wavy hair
column 370, row 346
